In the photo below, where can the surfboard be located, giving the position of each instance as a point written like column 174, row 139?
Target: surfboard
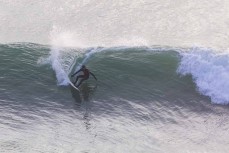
column 73, row 86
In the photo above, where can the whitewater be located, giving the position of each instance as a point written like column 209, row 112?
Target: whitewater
column 162, row 69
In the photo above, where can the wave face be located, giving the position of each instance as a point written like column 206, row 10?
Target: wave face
column 145, row 97
column 207, row 68
column 113, row 23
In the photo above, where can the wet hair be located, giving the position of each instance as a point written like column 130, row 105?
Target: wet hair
column 83, row 66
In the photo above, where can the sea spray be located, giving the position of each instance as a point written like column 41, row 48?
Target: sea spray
column 61, row 60
column 61, row 75
column 61, row 55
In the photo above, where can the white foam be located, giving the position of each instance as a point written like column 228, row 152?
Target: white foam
column 210, row 70
column 54, row 59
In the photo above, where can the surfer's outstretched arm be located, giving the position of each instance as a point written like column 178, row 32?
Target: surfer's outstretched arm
column 93, row 75
column 76, row 73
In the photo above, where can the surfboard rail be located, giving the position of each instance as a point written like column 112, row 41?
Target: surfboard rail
column 73, row 86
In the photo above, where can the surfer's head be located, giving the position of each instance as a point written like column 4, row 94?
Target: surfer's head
column 83, row 67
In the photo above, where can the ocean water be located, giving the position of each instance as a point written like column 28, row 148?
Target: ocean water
column 162, row 77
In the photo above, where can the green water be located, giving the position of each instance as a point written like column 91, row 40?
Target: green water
column 140, row 102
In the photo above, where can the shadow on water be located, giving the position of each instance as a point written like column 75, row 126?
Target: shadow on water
column 83, row 101
column 76, row 95
column 85, row 93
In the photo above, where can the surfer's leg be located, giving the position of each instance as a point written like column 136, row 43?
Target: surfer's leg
column 77, row 78
column 80, row 82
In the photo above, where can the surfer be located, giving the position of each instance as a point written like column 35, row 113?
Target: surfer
column 84, row 76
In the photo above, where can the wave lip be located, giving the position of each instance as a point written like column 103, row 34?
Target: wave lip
column 210, row 71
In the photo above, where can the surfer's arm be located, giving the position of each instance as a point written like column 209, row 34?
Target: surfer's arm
column 93, row 75
column 75, row 73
